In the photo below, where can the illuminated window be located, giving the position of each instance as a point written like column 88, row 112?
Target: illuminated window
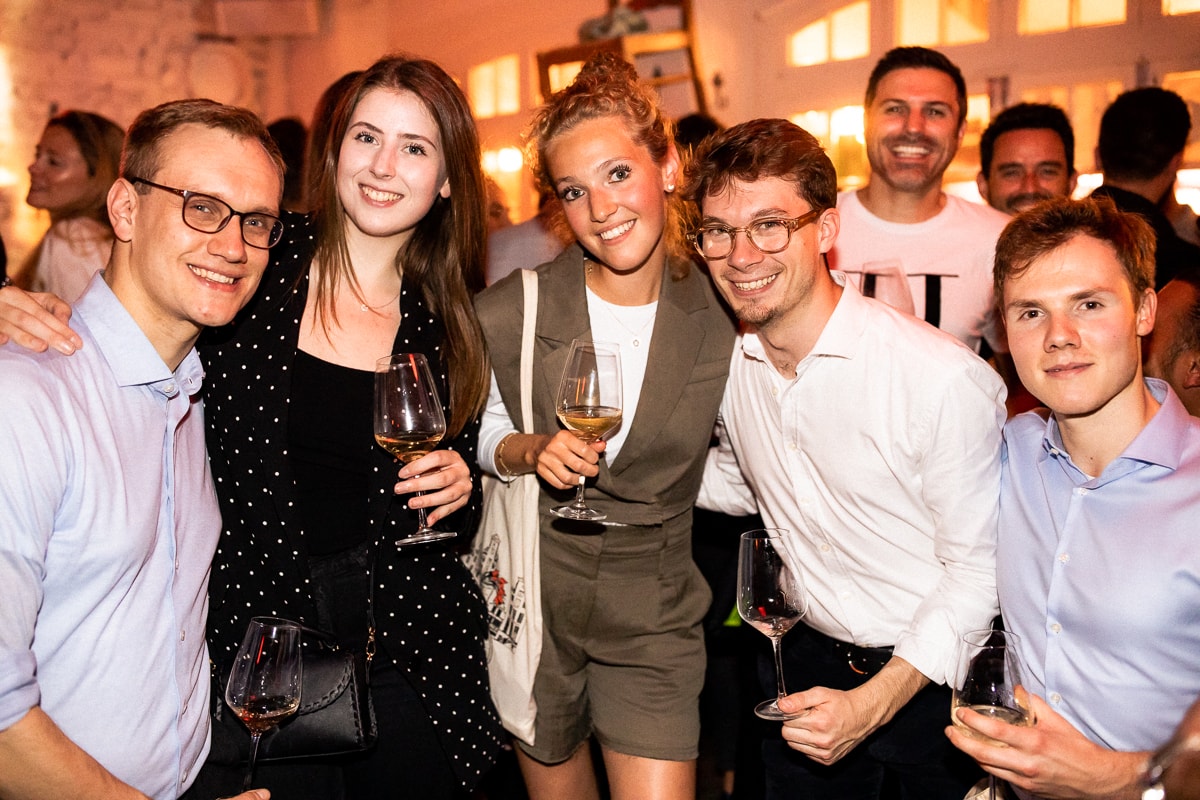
column 495, row 87
column 1045, row 16
column 561, row 75
column 966, row 162
column 1173, row 7
column 840, row 132
column 1187, row 86
column 1084, row 104
column 941, row 22
column 840, row 36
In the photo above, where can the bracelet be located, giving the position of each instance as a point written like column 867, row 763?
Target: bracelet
column 501, row 467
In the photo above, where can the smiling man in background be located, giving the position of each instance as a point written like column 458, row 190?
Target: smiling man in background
column 1027, row 154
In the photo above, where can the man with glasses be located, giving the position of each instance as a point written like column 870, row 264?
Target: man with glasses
column 108, row 514
column 873, row 439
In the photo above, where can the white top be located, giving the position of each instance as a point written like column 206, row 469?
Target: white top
column 882, row 457
column 629, row 327
column 71, row 252
column 958, row 244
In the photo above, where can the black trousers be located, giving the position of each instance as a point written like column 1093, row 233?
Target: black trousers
column 908, row 758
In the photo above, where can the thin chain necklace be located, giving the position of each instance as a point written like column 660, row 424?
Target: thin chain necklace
column 636, row 336
column 364, row 307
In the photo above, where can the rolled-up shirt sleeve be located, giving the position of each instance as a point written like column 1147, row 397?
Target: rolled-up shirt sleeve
column 961, row 488
column 724, row 488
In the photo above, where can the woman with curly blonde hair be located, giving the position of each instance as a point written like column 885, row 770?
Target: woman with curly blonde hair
column 622, row 650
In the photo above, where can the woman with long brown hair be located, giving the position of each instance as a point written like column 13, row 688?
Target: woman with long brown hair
column 388, row 262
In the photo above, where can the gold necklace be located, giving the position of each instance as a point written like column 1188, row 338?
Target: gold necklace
column 363, row 306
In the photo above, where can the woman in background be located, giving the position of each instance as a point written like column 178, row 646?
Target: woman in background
column 74, row 166
column 622, row 649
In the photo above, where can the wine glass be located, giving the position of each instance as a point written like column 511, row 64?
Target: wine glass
column 409, row 421
column 771, row 598
column 993, row 684
column 886, row 281
column 264, row 684
column 589, row 404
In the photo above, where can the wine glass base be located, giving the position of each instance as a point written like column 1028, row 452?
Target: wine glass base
column 421, row 537
column 582, row 514
column 769, row 709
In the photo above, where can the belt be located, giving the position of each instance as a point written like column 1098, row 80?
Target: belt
column 863, row 660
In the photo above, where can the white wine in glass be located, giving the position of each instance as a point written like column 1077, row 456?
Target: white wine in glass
column 409, row 422
column 589, row 405
column 992, row 684
column 264, row 684
column 771, row 599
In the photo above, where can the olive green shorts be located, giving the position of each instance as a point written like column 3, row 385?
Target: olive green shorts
column 622, row 644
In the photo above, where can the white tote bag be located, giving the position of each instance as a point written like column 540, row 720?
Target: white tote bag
column 504, row 559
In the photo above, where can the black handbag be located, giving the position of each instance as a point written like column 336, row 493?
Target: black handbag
column 335, row 716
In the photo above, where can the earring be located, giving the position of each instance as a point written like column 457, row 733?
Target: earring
column 670, row 187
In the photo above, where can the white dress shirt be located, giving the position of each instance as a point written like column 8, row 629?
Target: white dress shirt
column 882, row 457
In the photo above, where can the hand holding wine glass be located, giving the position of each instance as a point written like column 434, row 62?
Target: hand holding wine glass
column 589, row 405
column 264, row 684
column 993, row 684
column 408, row 420
column 771, row 599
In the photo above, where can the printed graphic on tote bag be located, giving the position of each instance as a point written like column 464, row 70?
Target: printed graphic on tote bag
column 505, row 600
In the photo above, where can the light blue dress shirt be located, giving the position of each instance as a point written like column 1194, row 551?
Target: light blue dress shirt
column 108, row 523
column 1101, row 576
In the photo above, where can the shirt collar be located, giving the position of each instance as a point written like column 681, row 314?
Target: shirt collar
column 125, row 348
column 842, row 332
column 1160, row 442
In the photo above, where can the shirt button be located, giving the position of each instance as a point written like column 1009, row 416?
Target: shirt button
column 169, row 388
column 1056, row 628
column 792, row 446
column 1063, row 558
column 1080, row 491
column 824, row 548
column 1055, row 698
column 183, row 636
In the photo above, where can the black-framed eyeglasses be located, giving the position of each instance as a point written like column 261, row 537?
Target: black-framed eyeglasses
column 768, row 236
column 207, row 214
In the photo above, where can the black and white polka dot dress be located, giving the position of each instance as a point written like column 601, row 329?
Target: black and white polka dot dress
column 428, row 611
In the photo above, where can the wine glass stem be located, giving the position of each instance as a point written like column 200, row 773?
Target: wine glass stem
column 991, row 787
column 254, row 740
column 422, row 526
column 579, row 494
column 780, row 692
